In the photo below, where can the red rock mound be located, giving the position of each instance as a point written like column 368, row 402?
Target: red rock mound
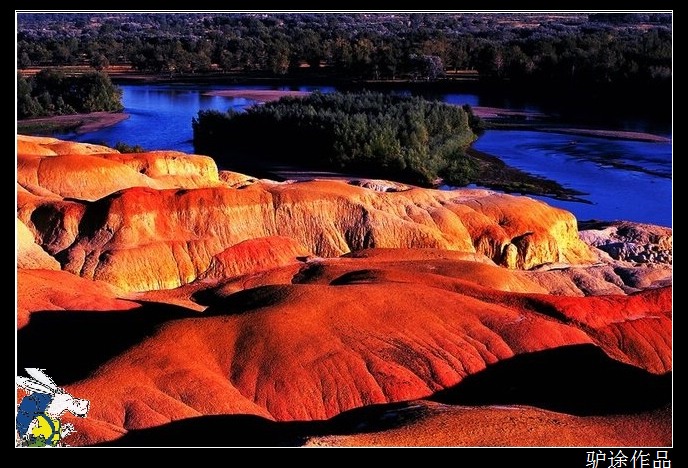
column 371, row 335
column 254, row 255
column 43, row 290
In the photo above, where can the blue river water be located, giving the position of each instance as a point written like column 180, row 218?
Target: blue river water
column 639, row 190
column 622, row 179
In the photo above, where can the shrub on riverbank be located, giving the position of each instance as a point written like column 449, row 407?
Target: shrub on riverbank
column 409, row 139
column 124, row 147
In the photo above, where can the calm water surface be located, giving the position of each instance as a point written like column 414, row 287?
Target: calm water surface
column 623, row 179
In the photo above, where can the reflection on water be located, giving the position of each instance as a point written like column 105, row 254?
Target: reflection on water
column 624, row 179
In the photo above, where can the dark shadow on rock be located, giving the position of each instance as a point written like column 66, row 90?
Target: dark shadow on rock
column 366, row 276
column 72, row 344
column 308, row 273
column 254, row 431
column 240, row 302
column 578, row 379
column 218, row 431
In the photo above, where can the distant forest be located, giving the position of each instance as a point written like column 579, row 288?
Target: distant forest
column 576, row 50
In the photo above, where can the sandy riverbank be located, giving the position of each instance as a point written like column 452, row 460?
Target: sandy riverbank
column 260, row 95
column 616, row 134
column 498, row 113
column 78, row 123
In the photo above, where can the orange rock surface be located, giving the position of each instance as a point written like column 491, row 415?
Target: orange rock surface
column 352, row 335
column 301, row 301
column 254, row 255
column 30, row 254
column 89, row 172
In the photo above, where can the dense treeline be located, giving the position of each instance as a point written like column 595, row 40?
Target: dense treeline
column 377, row 135
column 53, row 93
column 579, row 49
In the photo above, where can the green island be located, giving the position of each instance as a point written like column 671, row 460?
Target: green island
column 402, row 138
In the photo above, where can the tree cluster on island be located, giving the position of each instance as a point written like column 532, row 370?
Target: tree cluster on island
column 409, row 139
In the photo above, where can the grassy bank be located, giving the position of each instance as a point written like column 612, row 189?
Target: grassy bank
column 39, row 127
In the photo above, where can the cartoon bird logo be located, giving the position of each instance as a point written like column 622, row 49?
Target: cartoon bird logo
column 38, row 414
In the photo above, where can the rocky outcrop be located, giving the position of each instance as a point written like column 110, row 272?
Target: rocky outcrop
column 630, row 257
column 145, row 236
column 425, row 424
column 380, row 185
column 630, row 242
column 254, row 255
column 30, row 254
column 48, row 146
column 236, row 180
column 89, row 172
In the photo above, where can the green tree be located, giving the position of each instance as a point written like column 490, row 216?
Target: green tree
column 95, row 92
column 123, row 147
column 99, row 61
column 24, row 61
column 27, row 105
column 279, row 52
